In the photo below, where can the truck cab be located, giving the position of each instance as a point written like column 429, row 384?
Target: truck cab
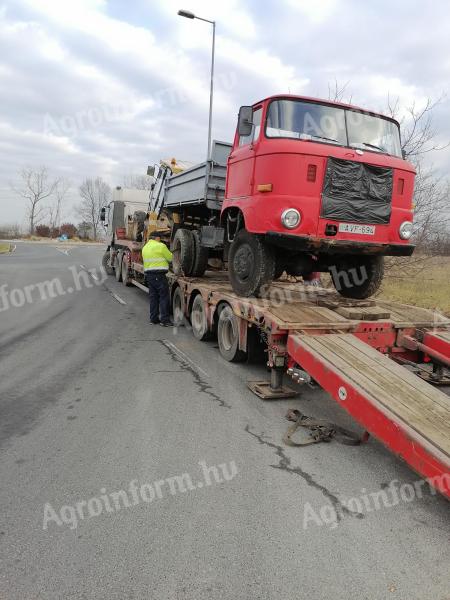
column 314, row 185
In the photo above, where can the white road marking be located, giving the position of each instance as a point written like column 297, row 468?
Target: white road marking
column 184, row 357
column 93, row 275
column 63, row 250
column 118, row 298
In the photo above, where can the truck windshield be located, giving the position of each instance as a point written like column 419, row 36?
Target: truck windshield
column 332, row 125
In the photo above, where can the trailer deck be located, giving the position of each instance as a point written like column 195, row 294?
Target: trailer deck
column 352, row 349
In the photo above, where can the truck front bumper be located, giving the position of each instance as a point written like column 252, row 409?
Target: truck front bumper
column 321, row 246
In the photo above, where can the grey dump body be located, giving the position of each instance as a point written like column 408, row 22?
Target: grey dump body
column 201, row 184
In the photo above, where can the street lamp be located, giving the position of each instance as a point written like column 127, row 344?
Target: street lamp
column 189, row 15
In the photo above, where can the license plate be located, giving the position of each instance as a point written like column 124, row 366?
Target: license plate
column 361, row 229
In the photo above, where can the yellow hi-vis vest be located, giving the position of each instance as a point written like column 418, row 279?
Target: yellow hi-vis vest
column 156, row 256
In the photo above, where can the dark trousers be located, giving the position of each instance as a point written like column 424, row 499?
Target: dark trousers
column 159, row 296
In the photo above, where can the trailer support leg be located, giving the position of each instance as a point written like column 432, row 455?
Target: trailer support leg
column 273, row 389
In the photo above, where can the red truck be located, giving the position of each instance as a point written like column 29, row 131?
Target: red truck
column 311, row 185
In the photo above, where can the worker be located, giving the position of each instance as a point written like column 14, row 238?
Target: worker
column 156, row 257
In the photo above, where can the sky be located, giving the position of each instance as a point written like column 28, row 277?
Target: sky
column 104, row 88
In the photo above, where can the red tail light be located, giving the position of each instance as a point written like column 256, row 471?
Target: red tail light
column 311, row 173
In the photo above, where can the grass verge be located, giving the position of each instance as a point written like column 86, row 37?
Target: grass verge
column 425, row 283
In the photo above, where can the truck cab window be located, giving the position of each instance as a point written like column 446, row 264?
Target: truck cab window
column 248, row 139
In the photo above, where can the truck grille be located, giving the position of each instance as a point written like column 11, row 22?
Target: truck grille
column 356, row 192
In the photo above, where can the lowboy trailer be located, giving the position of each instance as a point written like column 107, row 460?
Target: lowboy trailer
column 361, row 352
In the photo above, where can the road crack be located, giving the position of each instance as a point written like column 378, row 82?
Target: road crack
column 285, row 465
column 202, row 385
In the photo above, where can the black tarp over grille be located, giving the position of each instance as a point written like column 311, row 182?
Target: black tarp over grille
column 357, row 193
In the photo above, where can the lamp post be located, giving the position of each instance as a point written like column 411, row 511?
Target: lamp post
column 189, row 15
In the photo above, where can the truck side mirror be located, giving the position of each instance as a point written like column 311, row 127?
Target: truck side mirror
column 245, row 120
column 103, row 215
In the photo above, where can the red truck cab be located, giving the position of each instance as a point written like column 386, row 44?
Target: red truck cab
column 314, row 185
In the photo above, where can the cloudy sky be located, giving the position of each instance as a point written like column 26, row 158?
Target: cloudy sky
column 105, row 87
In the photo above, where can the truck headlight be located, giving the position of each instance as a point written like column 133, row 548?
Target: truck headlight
column 406, row 229
column 290, row 218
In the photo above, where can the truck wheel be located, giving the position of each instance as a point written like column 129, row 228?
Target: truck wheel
column 118, row 266
column 228, row 336
column 126, row 277
column 199, row 319
column 183, row 252
column 178, row 307
column 358, row 278
column 251, row 264
column 106, row 263
column 200, row 262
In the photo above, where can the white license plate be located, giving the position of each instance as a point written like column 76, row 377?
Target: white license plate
column 361, row 229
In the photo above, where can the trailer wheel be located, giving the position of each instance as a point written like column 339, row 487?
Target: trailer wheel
column 358, row 278
column 251, row 264
column 178, row 307
column 106, row 263
column 200, row 262
column 126, row 278
column 118, row 266
column 183, row 252
column 228, row 336
column 199, row 320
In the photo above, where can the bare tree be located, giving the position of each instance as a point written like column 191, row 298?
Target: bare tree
column 138, row 182
column 61, row 190
column 95, row 194
column 431, row 193
column 36, row 187
column 336, row 92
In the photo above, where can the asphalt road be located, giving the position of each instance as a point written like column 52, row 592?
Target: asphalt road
column 95, row 403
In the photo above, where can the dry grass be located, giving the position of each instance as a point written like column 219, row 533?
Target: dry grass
column 426, row 284
column 4, row 248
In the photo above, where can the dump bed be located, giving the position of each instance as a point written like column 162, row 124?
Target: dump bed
column 202, row 184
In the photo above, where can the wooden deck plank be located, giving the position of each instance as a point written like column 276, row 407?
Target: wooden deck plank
column 342, row 357
column 398, row 394
column 419, row 384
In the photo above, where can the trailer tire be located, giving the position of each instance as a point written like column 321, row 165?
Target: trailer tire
column 200, row 262
column 199, row 319
column 228, row 336
column 118, row 266
column 251, row 264
column 359, row 278
column 183, row 252
column 106, row 263
column 126, row 279
column 178, row 315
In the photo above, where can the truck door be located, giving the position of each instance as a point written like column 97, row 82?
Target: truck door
column 241, row 161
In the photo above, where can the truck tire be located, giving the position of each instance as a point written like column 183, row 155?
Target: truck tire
column 358, row 278
column 118, row 266
column 178, row 307
column 251, row 264
column 106, row 263
column 126, row 277
column 201, row 253
column 183, row 252
column 199, row 320
column 228, row 336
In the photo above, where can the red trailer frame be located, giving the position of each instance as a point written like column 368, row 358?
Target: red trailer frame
column 352, row 350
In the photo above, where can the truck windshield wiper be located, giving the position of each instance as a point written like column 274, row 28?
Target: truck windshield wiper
column 356, row 144
column 309, row 137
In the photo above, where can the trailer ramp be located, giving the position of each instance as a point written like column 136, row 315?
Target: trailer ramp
column 405, row 413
